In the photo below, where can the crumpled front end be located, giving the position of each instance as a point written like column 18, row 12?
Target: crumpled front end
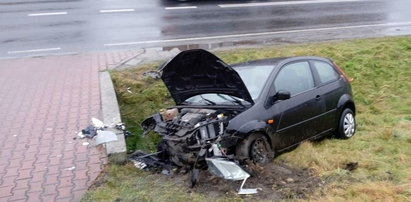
column 190, row 135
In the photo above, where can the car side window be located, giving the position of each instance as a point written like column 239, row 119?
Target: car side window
column 295, row 78
column 325, row 71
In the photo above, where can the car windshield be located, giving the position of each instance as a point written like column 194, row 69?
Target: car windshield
column 254, row 78
column 215, row 99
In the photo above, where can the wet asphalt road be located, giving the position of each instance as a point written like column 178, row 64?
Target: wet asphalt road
column 30, row 27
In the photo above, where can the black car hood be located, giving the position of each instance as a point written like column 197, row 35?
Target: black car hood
column 197, row 71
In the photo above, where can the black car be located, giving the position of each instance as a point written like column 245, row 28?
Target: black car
column 250, row 110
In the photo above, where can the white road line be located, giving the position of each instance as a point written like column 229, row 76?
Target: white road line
column 45, row 14
column 34, row 50
column 117, row 10
column 282, row 3
column 180, row 7
column 257, row 34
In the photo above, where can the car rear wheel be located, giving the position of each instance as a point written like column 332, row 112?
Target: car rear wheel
column 347, row 125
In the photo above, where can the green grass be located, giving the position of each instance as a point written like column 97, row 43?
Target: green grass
column 381, row 69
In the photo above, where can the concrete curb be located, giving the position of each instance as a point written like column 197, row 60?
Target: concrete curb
column 116, row 151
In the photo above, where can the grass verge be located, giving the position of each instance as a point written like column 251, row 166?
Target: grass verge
column 381, row 69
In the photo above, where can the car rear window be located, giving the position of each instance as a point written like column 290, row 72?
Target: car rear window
column 325, row 71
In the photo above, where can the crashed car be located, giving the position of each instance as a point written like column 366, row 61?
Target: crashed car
column 249, row 111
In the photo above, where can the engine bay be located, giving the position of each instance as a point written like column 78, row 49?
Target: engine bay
column 189, row 135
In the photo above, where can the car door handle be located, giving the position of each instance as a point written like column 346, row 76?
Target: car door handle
column 318, row 97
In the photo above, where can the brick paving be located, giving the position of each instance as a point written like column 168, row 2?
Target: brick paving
column 44, row 102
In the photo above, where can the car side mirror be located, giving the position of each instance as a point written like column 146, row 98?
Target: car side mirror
column 280, row 95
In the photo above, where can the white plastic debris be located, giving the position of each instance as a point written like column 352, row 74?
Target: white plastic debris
column 71, row 168
column 81, row 135
column 97, row 123
column 105, row 136
column 139, row 164
column 129, row 90
column 85, row 143
column 246, row 191
column 229, row 170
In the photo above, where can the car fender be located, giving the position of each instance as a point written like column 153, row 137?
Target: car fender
column 342, row 102
column 251, row 126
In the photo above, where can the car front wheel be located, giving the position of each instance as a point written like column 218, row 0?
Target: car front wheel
column 256, row 147
column 347, row 125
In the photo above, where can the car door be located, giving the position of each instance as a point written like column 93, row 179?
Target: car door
column 298, row 114
column 330, row 90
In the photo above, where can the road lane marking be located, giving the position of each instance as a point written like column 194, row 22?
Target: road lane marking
column 257, row 34
column 282, row 3
column 45, row 14
column 180, row 7
column 34, row 50
column 117, row 10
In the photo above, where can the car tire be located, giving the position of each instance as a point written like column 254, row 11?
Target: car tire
column 346, row 125
column 256, row 148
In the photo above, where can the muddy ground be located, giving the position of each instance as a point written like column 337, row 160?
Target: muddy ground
column 276, row 181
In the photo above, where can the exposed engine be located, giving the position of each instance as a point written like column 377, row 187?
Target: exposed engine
column 188, row 133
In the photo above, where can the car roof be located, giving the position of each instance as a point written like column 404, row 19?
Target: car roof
column 275, row 61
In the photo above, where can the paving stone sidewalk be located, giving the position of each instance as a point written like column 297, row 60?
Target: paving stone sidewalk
column 44, row 102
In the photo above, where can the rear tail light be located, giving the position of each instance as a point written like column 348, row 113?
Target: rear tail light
column 343, row 73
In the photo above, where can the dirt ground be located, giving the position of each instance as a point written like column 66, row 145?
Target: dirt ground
column 275, row 181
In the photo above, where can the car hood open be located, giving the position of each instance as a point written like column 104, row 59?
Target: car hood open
column 195, row 72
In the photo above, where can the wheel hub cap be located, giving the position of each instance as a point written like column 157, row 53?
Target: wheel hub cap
column 349, row 125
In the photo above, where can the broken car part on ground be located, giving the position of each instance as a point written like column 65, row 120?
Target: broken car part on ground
column 98, row 131
column 225, row 116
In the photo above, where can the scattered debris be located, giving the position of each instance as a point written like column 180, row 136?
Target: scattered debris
column 85, row 143
column 97, row 123
column 152, row 74
column 146, row 161
column 129, row 90
column 98, row 130
column 71, row 168
column 351, row 166
column 105, row 136
column 89, row 132
column 270, row 181
column 81, row 135
column 165, row 172
column 122, row 127
column 229, row 170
